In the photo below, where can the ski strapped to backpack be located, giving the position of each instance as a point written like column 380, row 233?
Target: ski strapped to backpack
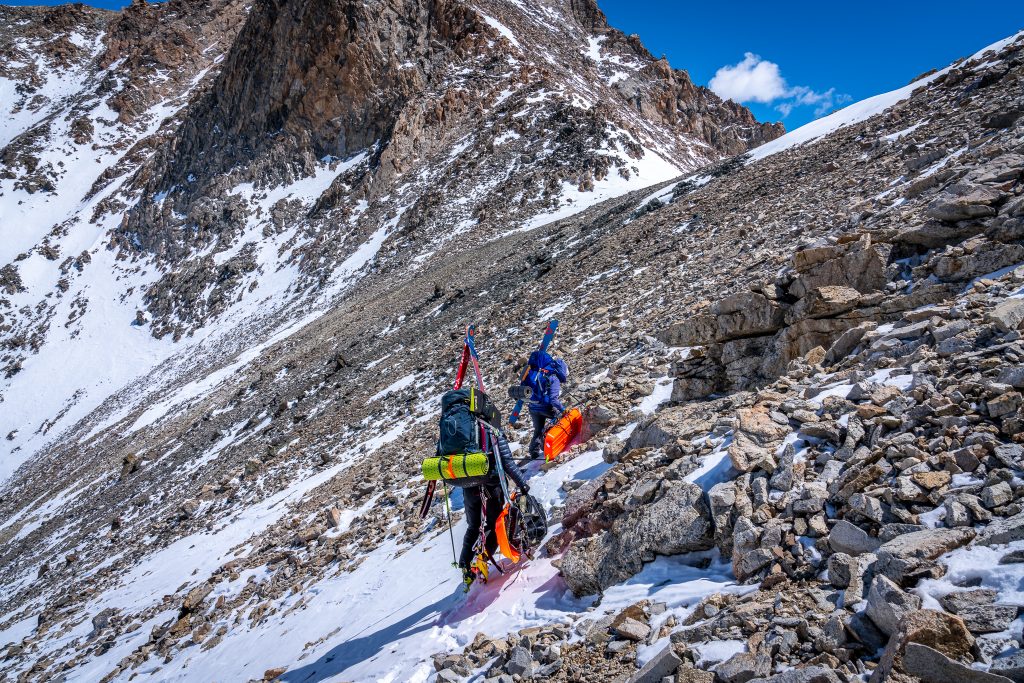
column 468, row 356
column 549, row 334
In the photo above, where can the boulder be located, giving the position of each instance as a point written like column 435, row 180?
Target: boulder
column 823, row 302
column 697, row 330
column 860, row 265
column 698, row 376
column 851, row 539
column 800, row 338
column 931, row 666
column 758, row 422
column 743, row 666
column 580, row 501
column 964, row 201
column 746, row 454
column 676, row 520
column 1007, row 315
column 986, row 258
column 938, row 630
column 809, row 674
column 888, row 605
column 691, row 675
column 846, row 342
column 658, row 667
column 1001, row 169
column 910, row 556
column 632, row 629
column 746, row 314
column 1003, row 530
column 841, row 568
column 935, row 234
column 520, row 662
column 996, row 495
column 979, row 610
column 1010, row 665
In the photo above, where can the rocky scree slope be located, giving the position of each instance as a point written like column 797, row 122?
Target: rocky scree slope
column 878, row 466
column 217, row 171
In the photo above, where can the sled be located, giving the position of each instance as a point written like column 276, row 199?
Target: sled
column 561, row 434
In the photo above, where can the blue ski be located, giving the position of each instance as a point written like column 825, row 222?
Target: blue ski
column 549, row 334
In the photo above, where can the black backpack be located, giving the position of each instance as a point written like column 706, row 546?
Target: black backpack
column 460, row 431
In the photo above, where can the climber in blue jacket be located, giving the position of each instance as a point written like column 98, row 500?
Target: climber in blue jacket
column 545, row 380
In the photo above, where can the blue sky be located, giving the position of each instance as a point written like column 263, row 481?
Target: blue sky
column 806, row 49
column 794, row 61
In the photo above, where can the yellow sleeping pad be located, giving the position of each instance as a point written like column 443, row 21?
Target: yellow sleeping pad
column 456, row 467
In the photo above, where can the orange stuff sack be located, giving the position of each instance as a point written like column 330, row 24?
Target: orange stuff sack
column 561, row 434
column 502, row 528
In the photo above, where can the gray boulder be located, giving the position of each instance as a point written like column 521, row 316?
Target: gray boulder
column 911, row 555
column 888, row 604
column 1010, row 665
column 745, row 314
column 743, row 667
column 520, row 662
column 963, row 201
column 860, row 265
column 676, row 520
column 810, row 674
column 1003, row 530
column 849, row 538
column 1007, row 315
column 979, row 610
column 661, row 665
column 931, row 666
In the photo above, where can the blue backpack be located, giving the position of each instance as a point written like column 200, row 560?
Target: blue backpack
column 542, row 365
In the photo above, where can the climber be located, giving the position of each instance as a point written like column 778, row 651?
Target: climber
column 545, row 380
column 486, row 500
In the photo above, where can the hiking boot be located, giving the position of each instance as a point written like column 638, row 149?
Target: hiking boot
column 479, row 569
column 468, row 577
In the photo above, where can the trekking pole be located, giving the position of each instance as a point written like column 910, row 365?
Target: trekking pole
column 448, row 511
column 572, row 397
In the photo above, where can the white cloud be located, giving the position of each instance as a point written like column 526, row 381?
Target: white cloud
column 758, row 80
column 752, row 80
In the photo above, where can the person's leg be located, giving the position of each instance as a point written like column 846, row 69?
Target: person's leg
column 537, row 441
column 494, row 502
column 471, row 496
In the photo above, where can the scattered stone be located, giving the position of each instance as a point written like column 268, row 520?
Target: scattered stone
column 743, row 666
column 888, row 605
column 851, row 539
column 931, row 666
column 519, row 663
column 632, row 629
column 911, row 555
column 1010, row 665
column 661, row 665
column 978, row 610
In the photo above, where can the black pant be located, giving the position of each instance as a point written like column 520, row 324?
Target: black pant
column 537, row 441
column 478, row 498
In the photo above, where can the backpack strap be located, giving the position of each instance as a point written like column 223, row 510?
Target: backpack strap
column 497, row 455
